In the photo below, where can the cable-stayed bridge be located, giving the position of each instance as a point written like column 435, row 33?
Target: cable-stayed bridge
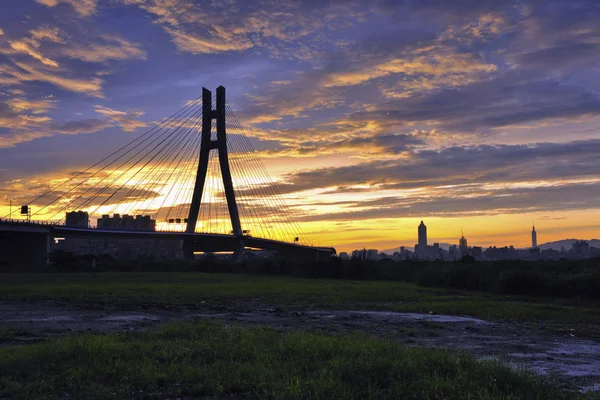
column 193, row 178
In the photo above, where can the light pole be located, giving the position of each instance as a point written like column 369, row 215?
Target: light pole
column 10, row 210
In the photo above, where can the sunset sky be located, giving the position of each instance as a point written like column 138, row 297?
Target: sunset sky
column 371, row 115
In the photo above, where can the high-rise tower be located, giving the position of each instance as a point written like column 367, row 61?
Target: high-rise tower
column 422, row 235
column 462, row 244
column 533, row 237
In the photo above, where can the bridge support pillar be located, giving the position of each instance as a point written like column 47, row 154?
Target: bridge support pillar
column 238, row 254
column 187, row 249
column 206, row 145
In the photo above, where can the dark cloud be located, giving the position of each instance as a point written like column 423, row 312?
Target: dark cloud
column 502, row 201
column 81, row 126
column 459, row 166
column 510, row 99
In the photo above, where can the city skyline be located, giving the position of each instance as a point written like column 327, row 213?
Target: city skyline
column 480, row 116
column 425, row 250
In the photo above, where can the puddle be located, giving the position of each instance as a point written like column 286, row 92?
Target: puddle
column 590, row 388
column 132, row 318
column 421, row 317
column 57, row 318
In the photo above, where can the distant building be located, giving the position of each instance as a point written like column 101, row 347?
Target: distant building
column 501, row 253
column 453, row 251
column 477, row 252
column 581, row 248
column 359, row 254
column 77, row 219
column 422, row 235
column 127, row 222
column 533, row 237
column 371, row 254
column 463, row 247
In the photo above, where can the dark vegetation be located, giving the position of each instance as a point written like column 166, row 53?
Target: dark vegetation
column 578, row 279
column 210, row 360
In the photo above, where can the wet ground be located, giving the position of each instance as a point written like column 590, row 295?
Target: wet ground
column 573, row 361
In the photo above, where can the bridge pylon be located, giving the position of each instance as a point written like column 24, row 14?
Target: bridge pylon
column 207, row 144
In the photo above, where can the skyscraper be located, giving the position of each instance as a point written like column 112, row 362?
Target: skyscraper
column 462, row 244
column 533, row 237
column 422, row 236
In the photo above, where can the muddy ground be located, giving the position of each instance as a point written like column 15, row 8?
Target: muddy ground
column 571, row 360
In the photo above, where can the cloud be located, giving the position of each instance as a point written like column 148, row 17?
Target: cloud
column 458, row 166
column 30, row 48
column 84, row 8
column 112, row 48
column 49, row 33
column 128, row 121
column 237, row 26
column 11, row 114
column 19, row 105
column 434, row 64
column 24, row 120
column 558, row 198
column 28, row 73
column 90, row 125
column 511, row 99
column 191, row 43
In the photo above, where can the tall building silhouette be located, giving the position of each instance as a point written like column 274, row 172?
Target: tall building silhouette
column 462, row 244
column 422, row 235
column 533, row 237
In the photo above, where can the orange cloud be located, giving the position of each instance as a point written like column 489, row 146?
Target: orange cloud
column 114, row 48
column 486, row 26
column 22, row 46
column 28, row 73
column 35, row 106
column 48, row 33
column 84, row 8
column 210, row 44
column 436, row 65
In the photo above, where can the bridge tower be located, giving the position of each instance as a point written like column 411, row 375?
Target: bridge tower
column 207, row 144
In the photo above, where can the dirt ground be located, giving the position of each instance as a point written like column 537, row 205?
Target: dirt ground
column 572, row 361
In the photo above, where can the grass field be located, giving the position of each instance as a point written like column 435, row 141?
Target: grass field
column 210, row 360
column 205, row 290
column 201, row 360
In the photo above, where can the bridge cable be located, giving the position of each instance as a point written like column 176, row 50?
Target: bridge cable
column 169, row 136
column 148, row 132
column 102, row 189
column 186, row 138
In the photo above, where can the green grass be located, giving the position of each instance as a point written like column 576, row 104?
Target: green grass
column 204, row 290
column 210, row 360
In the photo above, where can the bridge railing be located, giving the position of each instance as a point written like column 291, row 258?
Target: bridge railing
column 29, row 223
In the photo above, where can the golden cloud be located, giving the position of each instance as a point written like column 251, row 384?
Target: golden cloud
column 19, row 105
column 210, row 44
column 48, row 33
column 28, row 73
column 84, row 8
column 434, row 65
column 114, row 48
column 13, row 139
column 30, row 48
